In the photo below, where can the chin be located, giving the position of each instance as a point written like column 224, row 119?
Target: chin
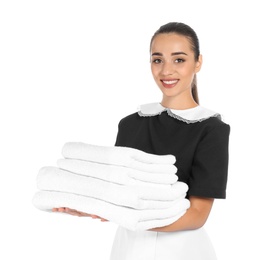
column 169, row 93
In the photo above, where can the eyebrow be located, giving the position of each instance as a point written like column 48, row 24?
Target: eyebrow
column 172, row 54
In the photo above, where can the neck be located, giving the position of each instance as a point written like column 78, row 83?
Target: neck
column 178, row 103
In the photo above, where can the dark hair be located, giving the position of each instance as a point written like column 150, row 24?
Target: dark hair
column 189, row 33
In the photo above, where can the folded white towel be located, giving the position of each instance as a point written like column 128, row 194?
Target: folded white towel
column 129, row 218
column 139, row 197
column 124, row 156
column 116, row 174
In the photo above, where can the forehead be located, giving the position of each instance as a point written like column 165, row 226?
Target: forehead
column 170, row 42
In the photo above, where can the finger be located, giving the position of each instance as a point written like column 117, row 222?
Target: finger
column 94, row 216
column 83, row 214
column 76, row 212
column 71, row 211
column 97, row 217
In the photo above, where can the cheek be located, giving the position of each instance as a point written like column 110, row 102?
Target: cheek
column 188, row 71
column 155, row 71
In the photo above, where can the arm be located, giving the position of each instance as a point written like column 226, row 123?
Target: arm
column 210, row 167
column 194, row 218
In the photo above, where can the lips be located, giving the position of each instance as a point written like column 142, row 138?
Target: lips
column 169, row 83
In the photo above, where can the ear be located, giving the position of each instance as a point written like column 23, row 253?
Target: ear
column 199, row 63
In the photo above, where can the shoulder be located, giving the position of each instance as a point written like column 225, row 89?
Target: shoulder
column 215, row 123
column 189, row 116
column 199, row 118
column 129, row 118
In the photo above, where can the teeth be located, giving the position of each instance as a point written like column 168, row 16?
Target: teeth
column 170, row 81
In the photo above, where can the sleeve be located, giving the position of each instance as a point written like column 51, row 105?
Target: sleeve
column 126, row 128
column 210, row 164
column 117, row 141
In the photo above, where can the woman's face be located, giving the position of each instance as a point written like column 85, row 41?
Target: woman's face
column 173, row 65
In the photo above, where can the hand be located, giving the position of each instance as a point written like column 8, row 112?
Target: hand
column 74, row 212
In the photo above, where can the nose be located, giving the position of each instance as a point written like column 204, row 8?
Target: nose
column 168, row 69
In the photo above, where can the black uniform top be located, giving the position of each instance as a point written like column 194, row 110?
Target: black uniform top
column 197, row 137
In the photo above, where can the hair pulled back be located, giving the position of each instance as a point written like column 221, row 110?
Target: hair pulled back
column 189, row 33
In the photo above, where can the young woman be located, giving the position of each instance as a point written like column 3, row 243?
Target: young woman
column 197, row 137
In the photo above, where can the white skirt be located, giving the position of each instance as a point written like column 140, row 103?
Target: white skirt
column 150, row 245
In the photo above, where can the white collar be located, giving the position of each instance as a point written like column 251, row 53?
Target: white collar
column 191, row 115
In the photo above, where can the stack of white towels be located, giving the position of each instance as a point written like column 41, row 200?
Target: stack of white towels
column 129, row 187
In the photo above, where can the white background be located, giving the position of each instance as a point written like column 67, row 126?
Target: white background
column 70, row 70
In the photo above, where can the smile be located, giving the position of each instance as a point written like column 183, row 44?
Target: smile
column 169, row 83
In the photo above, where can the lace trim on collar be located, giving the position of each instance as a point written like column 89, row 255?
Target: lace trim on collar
column 191, row 115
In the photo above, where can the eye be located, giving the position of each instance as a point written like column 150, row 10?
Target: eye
column 179, row 60
column 157, row 61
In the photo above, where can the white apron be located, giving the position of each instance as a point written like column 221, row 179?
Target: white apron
column 150, row 245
